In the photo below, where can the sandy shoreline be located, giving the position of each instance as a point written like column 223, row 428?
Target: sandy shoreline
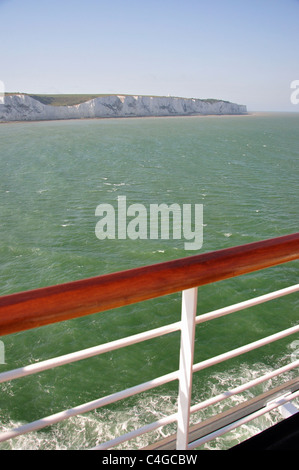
column 190, row 116
column 130, row 117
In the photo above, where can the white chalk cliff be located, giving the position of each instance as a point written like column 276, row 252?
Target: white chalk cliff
column 22, row 107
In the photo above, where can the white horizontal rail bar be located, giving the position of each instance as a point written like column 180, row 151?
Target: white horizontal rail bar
column 243, row 387
column 211, row 401
column 244, row 349
column 240, row 422
column 84, row 408
column 87, row 353
column 90, row 352
column 113, row 345
column 245, row 304
column 137, row 432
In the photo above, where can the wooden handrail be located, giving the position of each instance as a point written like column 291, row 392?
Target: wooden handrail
column 35, row 308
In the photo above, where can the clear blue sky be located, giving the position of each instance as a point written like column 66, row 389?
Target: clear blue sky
column 245, row 51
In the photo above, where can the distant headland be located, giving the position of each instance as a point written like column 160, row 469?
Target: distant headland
column 29, row 107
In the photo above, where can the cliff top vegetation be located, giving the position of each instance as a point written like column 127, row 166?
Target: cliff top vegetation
column 74, row 99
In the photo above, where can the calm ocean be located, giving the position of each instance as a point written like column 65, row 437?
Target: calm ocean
column 53, row 175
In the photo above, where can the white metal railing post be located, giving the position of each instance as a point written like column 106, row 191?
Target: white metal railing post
column 188, row 315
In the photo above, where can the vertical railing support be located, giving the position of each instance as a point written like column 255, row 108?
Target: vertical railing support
column 189, row 304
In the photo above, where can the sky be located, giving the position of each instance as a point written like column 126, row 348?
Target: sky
column 243, row 51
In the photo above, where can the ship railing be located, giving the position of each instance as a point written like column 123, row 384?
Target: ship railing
column 43, row 306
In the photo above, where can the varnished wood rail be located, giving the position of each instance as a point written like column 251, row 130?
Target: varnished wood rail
column 35, row 308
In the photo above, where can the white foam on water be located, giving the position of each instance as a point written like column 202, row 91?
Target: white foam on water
column 230, row 379
column 91, row 429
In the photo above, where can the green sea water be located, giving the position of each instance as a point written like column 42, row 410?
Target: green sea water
column 242, row 169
